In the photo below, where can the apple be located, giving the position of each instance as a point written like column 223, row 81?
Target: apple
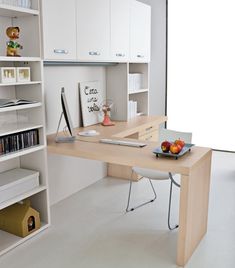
column 175, row 148
column 165, row 146
column 180, row 142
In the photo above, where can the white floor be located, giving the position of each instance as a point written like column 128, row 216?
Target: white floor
column 91, row 230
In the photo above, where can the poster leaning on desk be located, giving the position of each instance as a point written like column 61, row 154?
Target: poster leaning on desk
column 91, row 96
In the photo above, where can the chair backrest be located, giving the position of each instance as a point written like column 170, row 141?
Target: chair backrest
column 172, row 135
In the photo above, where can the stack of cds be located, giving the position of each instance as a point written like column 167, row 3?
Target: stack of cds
column 18, row 141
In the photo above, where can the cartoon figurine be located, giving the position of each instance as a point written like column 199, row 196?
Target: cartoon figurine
column 12, row 45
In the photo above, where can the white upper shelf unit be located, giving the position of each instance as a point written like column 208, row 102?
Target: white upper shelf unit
column 14, row 11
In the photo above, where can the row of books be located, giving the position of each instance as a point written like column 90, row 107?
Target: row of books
column 18, row 141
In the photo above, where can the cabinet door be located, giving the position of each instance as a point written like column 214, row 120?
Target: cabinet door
column 120, row 30
column 140, row 32
column 93, row 30
column 59, row 29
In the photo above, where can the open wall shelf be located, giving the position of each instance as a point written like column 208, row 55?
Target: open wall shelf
column 118, row 89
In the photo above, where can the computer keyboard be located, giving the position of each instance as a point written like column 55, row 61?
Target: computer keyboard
column 124, row 143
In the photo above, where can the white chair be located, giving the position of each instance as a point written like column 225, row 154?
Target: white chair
column 150, row 174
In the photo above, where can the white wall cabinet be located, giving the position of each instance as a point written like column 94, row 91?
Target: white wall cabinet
column 96, row 31
column 93, row 30
column 120, row 30
column 59, row 29
column 140, row 32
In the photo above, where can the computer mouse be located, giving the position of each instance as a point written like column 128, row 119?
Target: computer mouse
column 91, row 131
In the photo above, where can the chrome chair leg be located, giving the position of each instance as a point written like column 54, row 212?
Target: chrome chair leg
column 169, row 208
column 145, row 203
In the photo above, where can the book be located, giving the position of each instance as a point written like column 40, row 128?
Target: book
column 13, row 102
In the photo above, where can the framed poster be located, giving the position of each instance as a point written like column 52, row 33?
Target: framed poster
column 90, row 97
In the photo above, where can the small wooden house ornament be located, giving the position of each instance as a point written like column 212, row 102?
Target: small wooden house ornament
column 20, row 219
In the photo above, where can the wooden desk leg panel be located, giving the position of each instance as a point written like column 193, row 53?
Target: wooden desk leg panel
column 123, row 172
column 194, row 201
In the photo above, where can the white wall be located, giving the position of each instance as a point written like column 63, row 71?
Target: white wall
column 68, row 175
column 158, row 66
column 201, row 71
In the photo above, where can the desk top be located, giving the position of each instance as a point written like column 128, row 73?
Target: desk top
column 90, row 148
column 123, row 129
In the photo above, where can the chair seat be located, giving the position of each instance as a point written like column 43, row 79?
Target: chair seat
column 151, row 173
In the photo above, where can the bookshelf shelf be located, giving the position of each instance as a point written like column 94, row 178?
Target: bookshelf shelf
column 17, row 127
column 22, row 152
column 21, row 84
column 22, row 196
column 20, row 107
column 138, row 91
column 14, row 11
column 20, row 59
column 10, row 241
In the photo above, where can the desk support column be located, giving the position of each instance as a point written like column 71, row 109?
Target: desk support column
column 194, row 201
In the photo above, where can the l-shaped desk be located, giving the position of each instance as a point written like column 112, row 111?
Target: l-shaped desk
column 194, row 168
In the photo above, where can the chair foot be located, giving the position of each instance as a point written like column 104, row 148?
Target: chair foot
column 143, row 204
column 169, row 209
column 173, row 228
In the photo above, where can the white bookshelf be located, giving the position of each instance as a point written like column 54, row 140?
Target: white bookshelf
column 17, row 119
column 118, row 89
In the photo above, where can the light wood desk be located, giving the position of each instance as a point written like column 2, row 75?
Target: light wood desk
column 194, row 167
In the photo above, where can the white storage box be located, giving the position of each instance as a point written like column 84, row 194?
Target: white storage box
column 17, row 181
column 135, row 81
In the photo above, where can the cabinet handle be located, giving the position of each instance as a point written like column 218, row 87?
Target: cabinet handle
column 94, row 53
column 140, row 56
column 61, row 51
column 148, row 129
column 120, row 55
